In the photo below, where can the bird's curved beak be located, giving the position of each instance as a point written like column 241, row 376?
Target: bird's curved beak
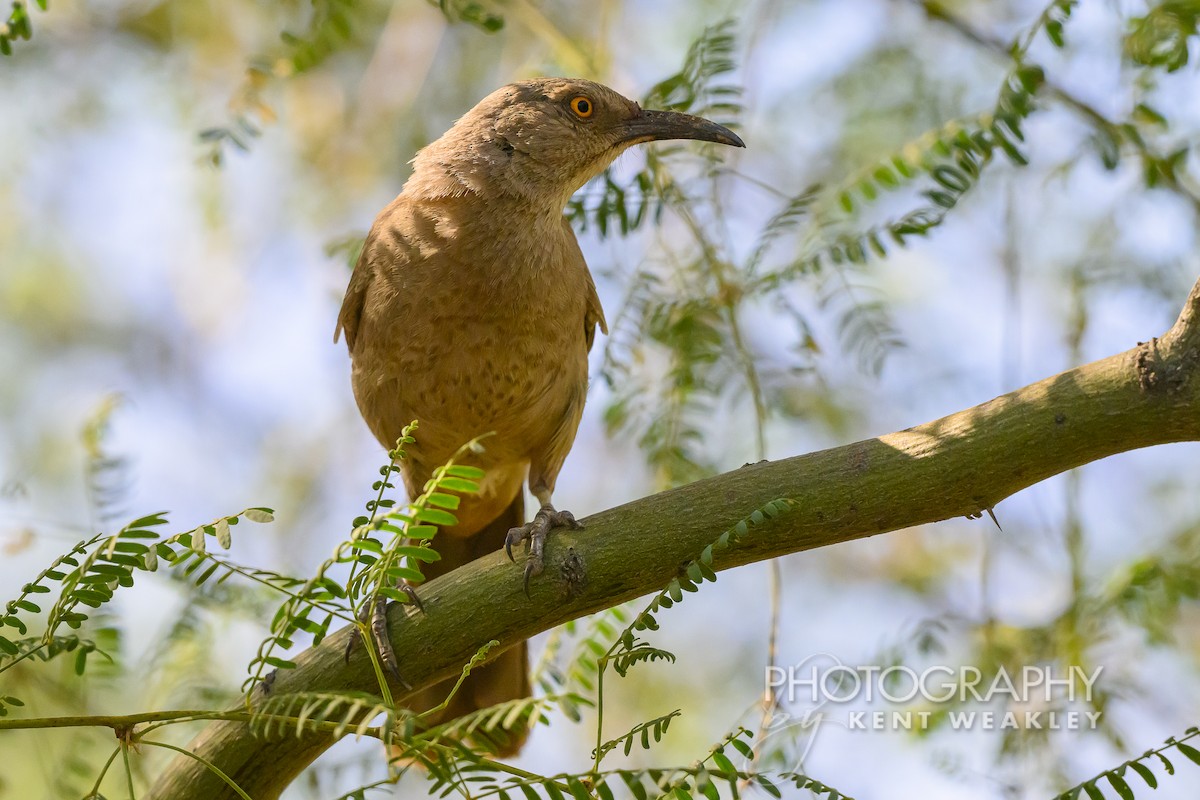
column 650, row 126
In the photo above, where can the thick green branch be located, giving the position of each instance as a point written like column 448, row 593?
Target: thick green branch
column 956, row 466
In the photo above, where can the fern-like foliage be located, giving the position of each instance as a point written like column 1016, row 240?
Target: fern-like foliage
column 701, row 87
column 386, row 546
column 487, row 730
column 106, row 473
column 705, row 777
column 953, row 156
column 682, row 313
column 654, row 728
column 472, row 12
column 384, row 553
column 88, row 577
column 330, row 29
column 455, row 753
column 37, row 648
column 338, row 714
column 684, row 317
column 19, row 26
column 699, row 571
column 1161, row 38
column 1117, row 778
column 628, row 650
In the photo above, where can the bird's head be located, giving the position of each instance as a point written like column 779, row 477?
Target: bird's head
column 540, row 140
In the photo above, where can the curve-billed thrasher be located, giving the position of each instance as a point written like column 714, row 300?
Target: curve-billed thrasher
column 472, row 311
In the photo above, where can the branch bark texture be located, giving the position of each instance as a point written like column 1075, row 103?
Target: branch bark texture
column 959, row 465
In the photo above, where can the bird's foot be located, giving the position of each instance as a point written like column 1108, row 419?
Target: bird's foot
column 376, row 619
column 543, row 522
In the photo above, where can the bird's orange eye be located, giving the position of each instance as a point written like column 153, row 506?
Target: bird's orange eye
column 582, row 107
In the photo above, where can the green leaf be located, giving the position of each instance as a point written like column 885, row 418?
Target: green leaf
column 707, row 788
column 1054, row 30
column 259, row 514
column 443, row 500
column 886, row 177
column 134, row 533
column 1192, row 753
column 941, row 198
column 436, row 516
column 463, row 485
column 634, row 782
column 952, row 179
column 1031, row 77
column 367, row 545
column 902, row 167
column 578, row 790
column 224, row 538
column 207, row 573
column 149, row 521
column 464, row 471
column 1121, row 786
column 767, row 786
column 403, row 573
column 724, row 764
column 1148, row 116
column 1144, row 771
column 425, row 554
column 420, row 531
column 307, row 625
column 742, row 747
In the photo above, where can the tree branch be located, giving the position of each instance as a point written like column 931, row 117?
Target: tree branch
column 960, row 465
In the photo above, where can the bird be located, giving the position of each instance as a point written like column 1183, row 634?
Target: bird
column 472, row 311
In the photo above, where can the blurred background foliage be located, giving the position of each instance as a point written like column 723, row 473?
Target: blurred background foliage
column 939, row 202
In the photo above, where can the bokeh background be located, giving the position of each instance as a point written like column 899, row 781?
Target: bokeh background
column 167, row 303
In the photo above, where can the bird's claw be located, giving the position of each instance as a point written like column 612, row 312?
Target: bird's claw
column 546, row 519
column 377, row 619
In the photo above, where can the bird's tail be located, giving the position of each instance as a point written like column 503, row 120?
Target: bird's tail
column 504, row 678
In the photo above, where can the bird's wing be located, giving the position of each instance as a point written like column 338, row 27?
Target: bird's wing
column 594, row 312
column 386, row 250
column 350, row 316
